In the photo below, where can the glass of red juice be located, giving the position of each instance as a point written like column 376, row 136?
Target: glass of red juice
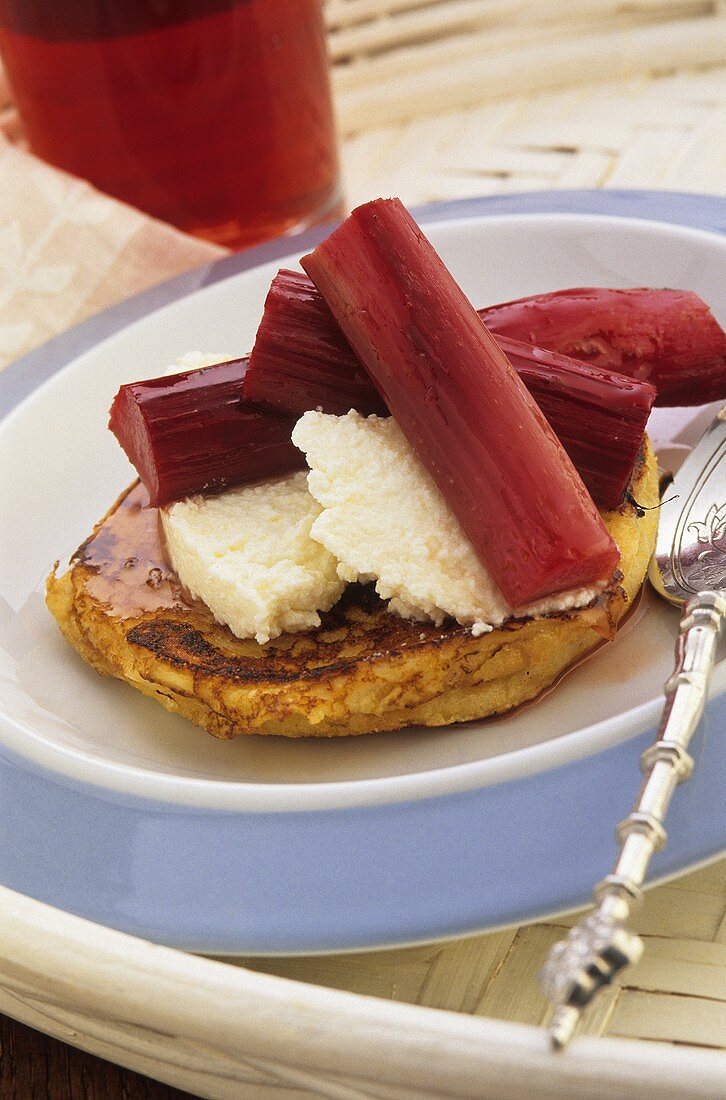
column 214, row 115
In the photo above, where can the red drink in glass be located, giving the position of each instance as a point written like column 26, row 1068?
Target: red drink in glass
column 214, row 115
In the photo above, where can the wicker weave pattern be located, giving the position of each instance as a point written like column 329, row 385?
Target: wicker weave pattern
column 667, row 132
column 443, row 99
column 452, row 54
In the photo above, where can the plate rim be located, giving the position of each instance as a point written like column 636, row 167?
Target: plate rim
column 28, row 373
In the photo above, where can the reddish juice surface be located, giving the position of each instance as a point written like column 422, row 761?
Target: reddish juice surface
column 214, row 115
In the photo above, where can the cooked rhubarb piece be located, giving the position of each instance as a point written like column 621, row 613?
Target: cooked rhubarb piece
column 598, row 416
column 669, row 338
column 190, row 433
column 472, row 423
column 301, row 361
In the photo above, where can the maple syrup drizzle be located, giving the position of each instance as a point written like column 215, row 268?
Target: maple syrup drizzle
column 129, row 571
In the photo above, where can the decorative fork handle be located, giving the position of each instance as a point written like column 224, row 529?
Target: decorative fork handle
column 600, row 945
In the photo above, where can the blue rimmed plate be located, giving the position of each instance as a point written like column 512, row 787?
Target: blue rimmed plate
column 115, row 810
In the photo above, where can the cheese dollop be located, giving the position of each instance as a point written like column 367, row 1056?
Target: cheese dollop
column 248, row 555
column 384, row 519
column 196, row 360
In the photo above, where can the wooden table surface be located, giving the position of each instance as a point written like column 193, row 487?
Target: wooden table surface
column 36, row 1067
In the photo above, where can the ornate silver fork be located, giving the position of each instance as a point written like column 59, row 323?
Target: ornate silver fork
column 688, row 568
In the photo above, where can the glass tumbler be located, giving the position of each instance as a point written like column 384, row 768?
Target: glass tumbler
column 214, row 115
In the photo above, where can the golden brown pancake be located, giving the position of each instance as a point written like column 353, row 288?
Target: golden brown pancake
column 362, row 670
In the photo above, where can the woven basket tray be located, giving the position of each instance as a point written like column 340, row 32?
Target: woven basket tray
column 440, row 99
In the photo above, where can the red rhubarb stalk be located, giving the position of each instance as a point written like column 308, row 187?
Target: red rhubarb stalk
column 598, row 416
column 669, row 338
column 301, row 361
column 462, row 407
column 190, row 433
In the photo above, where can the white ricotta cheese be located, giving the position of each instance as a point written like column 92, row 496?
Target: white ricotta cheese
column 247, row 553
column 385, row 520
column 195, row 360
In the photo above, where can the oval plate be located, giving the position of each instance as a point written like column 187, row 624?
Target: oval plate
column 112, row 809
